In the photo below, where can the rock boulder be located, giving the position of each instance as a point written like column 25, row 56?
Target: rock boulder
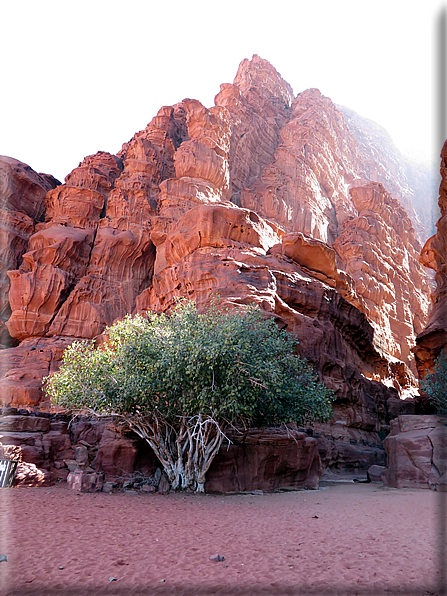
column 416, row 452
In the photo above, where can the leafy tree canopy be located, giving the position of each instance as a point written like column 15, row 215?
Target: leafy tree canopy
column 179, row 380
column 435, row 384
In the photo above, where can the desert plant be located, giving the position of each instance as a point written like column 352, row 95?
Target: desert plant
column 435, row 384
column 181, row 380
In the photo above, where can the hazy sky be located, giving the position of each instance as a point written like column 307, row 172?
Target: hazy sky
column 85, row 75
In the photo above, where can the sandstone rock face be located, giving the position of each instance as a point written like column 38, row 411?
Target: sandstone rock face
column 417, row 453
column 380, row 253
column 258, row 103
column 88, row 449
column 433, row 339
column 266, row 460
column 305, row 187
column 263, row 198
column 24, row 367
column 22, row 205
column 413, row 184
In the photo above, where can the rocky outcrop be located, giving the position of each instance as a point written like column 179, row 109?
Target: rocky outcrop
column 417, row 453
column 258, row 103
column 263, row 198
column 23, row 368
column 414, row 184
column 380, row 253
column 25, row 473
column 266, row 460
column 433, row 339
column 22, row 205
column 305, row 187
column 50, row 449
column 56, row 447
column 59, row 252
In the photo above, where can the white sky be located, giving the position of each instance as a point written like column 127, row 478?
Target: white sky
column 83, row 76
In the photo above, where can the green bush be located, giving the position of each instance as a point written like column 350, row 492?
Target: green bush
column 435, row 384
column 180, row 380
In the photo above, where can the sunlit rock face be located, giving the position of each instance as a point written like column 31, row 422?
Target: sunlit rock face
column 22, row 205
column 263, row 198
column 413, row 184
column 433, row 338
column 380, row 253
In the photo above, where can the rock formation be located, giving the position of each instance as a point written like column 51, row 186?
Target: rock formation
column 263, row 198
column 22, row 205
column 51, row 448
column 433, row 339
column 414, row 184
column 417, row 448
column 379, row 251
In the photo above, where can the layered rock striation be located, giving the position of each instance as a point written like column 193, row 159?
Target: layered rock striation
column 263, row 198
column 433, row 338
column 414, row 184
column 52, row 445
column 380, row 253
column 22, row 206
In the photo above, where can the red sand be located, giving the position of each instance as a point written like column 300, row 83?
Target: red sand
column 364, row 540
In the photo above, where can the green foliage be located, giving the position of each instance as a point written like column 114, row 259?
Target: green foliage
column 435, row 384
column 236, row 367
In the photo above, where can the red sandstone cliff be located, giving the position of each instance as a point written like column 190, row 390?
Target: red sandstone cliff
column 262, row 198
column 22, row 204
column 433, row 339
column 415, row 185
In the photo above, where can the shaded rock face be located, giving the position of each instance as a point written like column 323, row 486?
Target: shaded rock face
column 266, row 460
column 50, row 443
column 417, row 453
column 263, row 198
column 433, row 338
column 50, row 449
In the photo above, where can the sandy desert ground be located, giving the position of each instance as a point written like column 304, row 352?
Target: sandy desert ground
column 344, row 539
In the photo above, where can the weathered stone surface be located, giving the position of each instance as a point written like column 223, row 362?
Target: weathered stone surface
column 313, row 254
column 258, row 103
column 263, row 198
column 31, row 445
column 416, row 452
column 265, row 460
column 81, row 455
column 379, row 252
column 120, row 265
column 258, row 459
column 402, row 177
column 80, row 201
column 220, row 226
column 120, row 455
column 24, row 367
column 56, row 257
column 24, row 424
column 28, row 474
column 22, row 204
column 433, row 338
column 88, row 482
column 22, row 189
column 349, row 449
column 201, row 161
column 59, row 253
column 374, row 473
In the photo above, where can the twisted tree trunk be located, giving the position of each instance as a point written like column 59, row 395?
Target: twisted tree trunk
column 185, row 451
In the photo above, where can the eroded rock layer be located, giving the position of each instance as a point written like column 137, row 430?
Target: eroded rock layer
column 380, row 253
column 263, row 198
column 22, row 205
column 433, row 339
